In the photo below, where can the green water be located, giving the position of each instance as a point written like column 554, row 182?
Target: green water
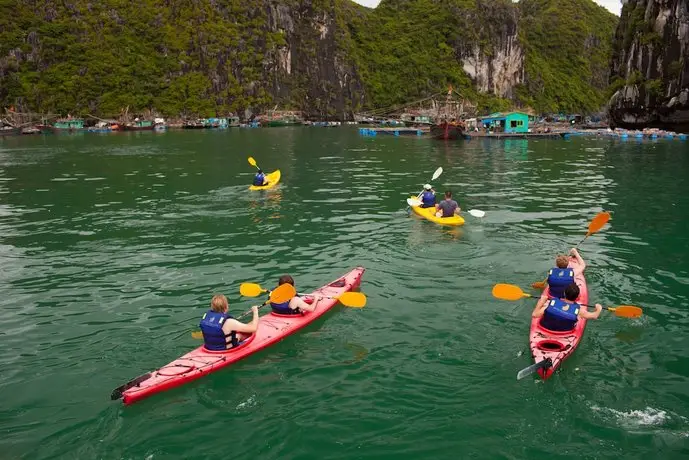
column 111, row 247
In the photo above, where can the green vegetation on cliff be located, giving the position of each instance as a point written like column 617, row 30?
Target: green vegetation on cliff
column 327, row 57
column 568, row 45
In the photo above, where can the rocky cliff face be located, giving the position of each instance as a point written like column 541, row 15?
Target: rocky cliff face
column 649, row 65
column 328, row 58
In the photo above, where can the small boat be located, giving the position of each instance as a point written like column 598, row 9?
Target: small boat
column 448, row 131
column 200, row 362
column 159, row 124
column 67, row 125
column 552, row 347
column 139, row 125
column 9, row 130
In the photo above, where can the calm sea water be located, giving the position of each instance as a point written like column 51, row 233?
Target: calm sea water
column 111, row 247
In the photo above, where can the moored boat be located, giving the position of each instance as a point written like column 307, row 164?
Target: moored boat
column 139, row 125
column 271, row 329
column 448, row 130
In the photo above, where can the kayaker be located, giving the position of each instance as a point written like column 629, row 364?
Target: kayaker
column 561, row 276
column 428, row 196
column 562, row 314
column 448, row 206
column 296, row 305
column 220, row 330
column 260, row 178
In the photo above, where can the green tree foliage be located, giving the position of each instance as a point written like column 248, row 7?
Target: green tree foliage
column 207, row 57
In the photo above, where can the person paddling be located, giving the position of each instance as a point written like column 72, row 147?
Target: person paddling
column 448, row 207
column 561, row 276
column 562, row 314
column 296, row 305
column 260, row 178
column 220, row 330
column 428, row 196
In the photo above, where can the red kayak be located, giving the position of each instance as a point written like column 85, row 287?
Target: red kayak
column 271, row 329
column 557, row 346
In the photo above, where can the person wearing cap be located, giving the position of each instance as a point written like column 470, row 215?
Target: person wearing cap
column 428, row 197
column 260, row 178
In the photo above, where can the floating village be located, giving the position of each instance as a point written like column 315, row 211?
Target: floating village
column 443, row 116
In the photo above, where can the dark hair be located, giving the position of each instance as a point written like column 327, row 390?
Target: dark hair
column 448, row 194
column 572, row 292
column 260, row 171
column 285, row 279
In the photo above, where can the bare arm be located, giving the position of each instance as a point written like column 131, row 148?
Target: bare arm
column 541, row 305
column 234, row 325
column 580, row 261
column 584, row 313
column 298, row 302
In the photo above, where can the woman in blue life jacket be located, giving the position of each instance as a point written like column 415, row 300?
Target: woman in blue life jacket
column 220, row 330
column 260, row 178
column 560, row 276
column 562, row 314
column 296, row 305
column 428, row 196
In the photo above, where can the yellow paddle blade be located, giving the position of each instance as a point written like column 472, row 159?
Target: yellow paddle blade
column 282, row 293
column 598, row 222
column 627, row 311
column 538, row 285
column 197, row 335
column 508, row 292
column 353, row 299
column 250, row 289
column 252, row 162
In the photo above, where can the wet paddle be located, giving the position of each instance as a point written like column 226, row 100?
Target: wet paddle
column 512, row 292
column 545, row 364
column 348, row 299
column 596, row 224
column 474, row 212
column 252, row 162
column 436, row 175
column 280, row 294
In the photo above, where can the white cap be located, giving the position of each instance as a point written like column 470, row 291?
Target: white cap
column 427, row 186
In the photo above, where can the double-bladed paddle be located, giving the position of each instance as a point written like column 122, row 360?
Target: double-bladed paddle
column 252, row 162
column 512, row 292
column 596, row 224
column 348, row 299
column 436, row 175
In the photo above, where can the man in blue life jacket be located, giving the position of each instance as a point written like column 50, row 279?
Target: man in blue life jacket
column 220, row 330
column 562, row 275
column 260, row 178
column 562, row 314
column 428, row 196
column 296, row 305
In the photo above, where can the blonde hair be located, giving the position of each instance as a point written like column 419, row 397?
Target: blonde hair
column 219, row 303
column 562, row 261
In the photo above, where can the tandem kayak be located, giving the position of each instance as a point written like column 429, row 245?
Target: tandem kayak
column 429, row 214
column 554, row 345
column 273, row 179
column 271, row 329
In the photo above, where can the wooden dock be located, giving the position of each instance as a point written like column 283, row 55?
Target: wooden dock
column 483, row 135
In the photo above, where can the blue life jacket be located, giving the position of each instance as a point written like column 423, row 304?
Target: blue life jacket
column 284, row 309
column 258, row 178
column 560, row 315
column 558, row 280
column 214, row 338
column 428, row 199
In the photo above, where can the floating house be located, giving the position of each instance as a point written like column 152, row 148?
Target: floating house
column 512, row 122
column 68, row 124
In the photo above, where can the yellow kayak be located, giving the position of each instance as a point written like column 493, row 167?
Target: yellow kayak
column 429, row 214
column 273, row 179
